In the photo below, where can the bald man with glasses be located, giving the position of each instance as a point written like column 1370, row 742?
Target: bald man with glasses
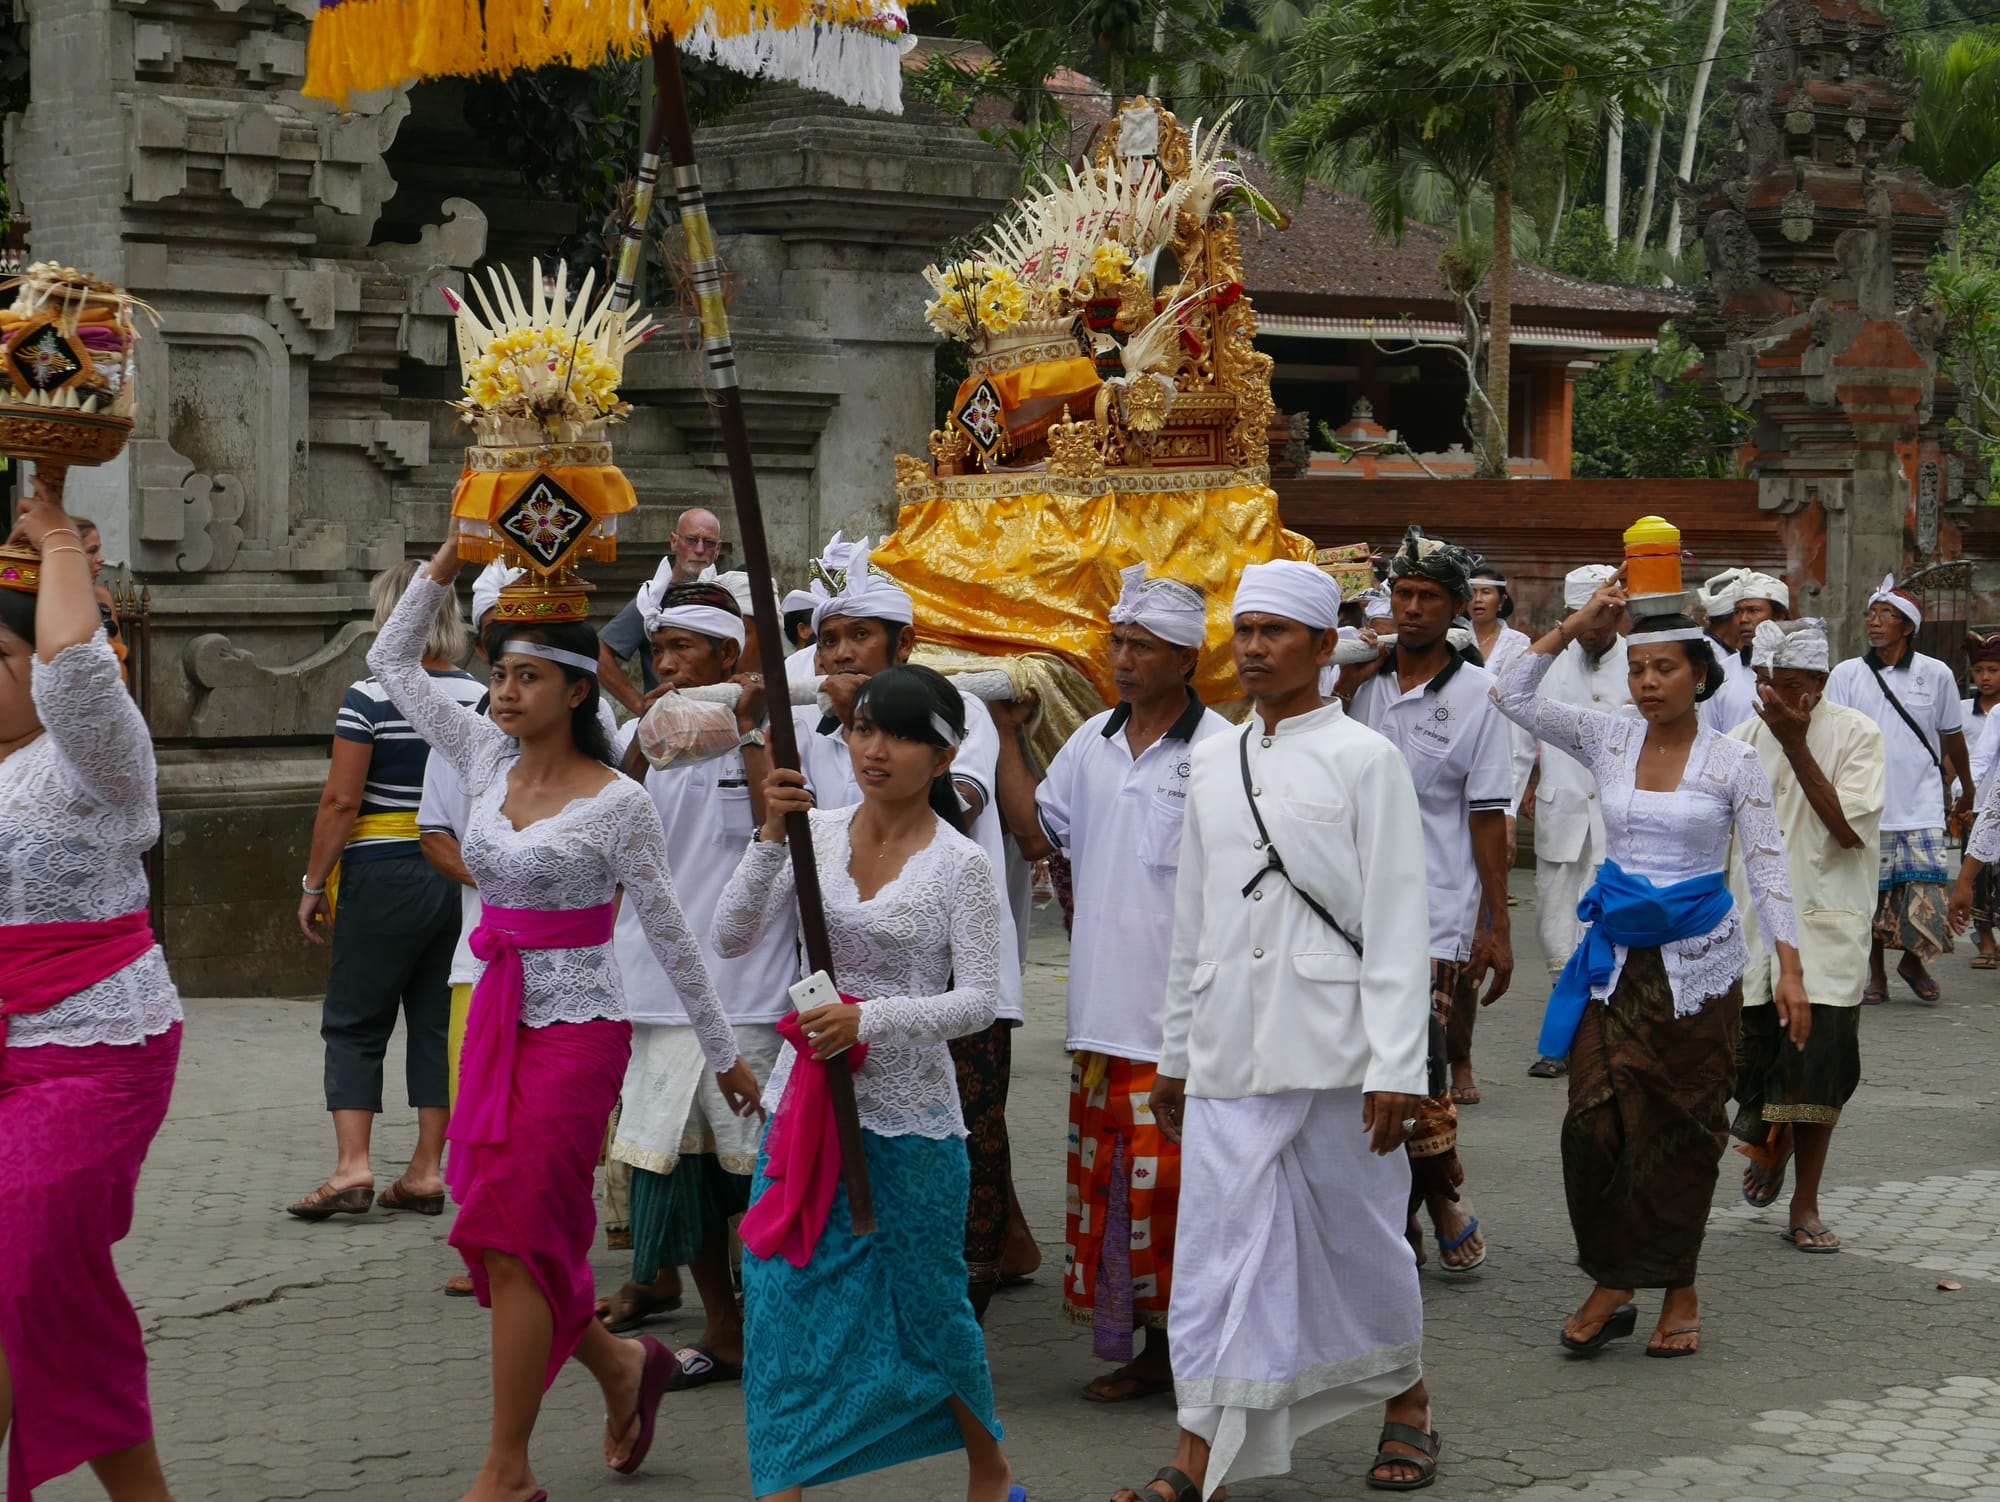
column 696, row 545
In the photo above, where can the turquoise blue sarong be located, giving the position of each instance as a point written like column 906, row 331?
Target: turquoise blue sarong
column 849, row 1360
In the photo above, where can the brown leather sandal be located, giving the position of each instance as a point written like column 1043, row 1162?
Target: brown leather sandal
column 396, row 1197
column 326, row 1202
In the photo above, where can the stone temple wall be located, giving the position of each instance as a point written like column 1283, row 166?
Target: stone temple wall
column 291, row 437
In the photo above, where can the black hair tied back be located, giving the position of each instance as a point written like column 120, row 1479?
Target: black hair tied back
column 17, row 614
column 905, row 702
column 568, row 636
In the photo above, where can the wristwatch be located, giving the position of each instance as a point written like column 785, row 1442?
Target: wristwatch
column 751, row 738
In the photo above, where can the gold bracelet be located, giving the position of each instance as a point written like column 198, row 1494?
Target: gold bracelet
column 71, row 530
column 51, row 552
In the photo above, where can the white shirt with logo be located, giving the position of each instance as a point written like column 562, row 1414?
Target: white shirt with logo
column 1118, row 818
column 1458, row 748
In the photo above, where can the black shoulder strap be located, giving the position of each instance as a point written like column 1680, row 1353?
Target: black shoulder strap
column 1273, row 861
column 1897, row 705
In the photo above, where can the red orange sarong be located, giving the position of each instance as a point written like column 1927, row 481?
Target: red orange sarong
column 1124, row 1195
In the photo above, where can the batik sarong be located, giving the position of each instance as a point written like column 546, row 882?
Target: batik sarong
column 1986, row 897
column 1433, row 1148
column 1778, row 1083
column 1295, row 1293
column 849, row 1360
column 75, row 1124
column 1647, row 1121
column 530, row 1196
column 1914, row 883
column 983, row 1061
column 1124, row 1195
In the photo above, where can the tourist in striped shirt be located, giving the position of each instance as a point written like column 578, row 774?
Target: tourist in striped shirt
column 397, row 927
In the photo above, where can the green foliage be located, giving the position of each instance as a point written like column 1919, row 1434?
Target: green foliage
column 1958, row 114
column 1965, row 282
column 574, row 135
column 1583, row 248
column 1640, row 417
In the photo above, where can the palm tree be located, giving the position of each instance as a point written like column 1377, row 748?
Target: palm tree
column 1958, row 114
column 1457, row 78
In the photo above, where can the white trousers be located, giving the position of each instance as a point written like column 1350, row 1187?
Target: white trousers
column 1295, row 1291
column 1559, row 886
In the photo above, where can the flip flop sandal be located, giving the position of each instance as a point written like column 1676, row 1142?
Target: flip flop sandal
column 396, row 1197
column 459, row 1287
column 1426, row 1464
column 1769, row 1182
column 1548, row 1069
column 1185, row 1490
column 1465, row 1095
column 1792, row 1236
column 1986, row 962
column 1616, row 1325
column 1454, row 1243
column 653, row 1384
column 640, row 1307
column 695, row 1367
column 1872, row 997
column 326, row 1202
column 1142, row 1387
column 1928, row 991
column 1669, row 1353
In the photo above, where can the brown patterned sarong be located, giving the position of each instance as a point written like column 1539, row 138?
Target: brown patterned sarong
column 1647, row 1121
column 1776, row 1082
column 1914, row 879
column 1435, row 1171
column 983, row 1061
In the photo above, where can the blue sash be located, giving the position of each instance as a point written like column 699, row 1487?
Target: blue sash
column 1625, row 909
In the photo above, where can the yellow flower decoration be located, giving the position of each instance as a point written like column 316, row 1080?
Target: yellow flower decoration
column 1002, row 302
column 1110, row 263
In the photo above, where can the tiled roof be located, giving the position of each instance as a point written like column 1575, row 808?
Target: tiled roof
column 1330, row 252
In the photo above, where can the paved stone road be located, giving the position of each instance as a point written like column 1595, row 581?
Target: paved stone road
column 302, row 1361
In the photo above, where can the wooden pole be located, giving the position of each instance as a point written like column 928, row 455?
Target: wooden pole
column 670, row 116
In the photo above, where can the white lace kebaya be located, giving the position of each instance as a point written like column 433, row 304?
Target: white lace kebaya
column 924, row 953
column 1670, row 837
column 78, row 810
column 578, row 857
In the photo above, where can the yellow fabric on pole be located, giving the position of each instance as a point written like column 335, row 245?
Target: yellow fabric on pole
column 1011, row 562
column 1076, row 378
column 396, row 826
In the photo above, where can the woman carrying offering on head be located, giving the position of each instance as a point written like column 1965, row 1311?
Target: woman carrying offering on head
column 553, row 836
column 862, row 1351
column 90, row 1023
column 1647, row 1009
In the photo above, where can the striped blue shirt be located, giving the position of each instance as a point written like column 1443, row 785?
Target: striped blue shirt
column 397, row 754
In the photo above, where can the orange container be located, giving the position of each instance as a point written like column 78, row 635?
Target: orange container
column 1652, row 557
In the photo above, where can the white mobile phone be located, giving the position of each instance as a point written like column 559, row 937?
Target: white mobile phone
column 816, row 990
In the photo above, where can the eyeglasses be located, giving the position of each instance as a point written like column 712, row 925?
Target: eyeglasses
column 699, row 544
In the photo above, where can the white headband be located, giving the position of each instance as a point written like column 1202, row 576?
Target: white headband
column 703, row 620
column 1790, row 644
column 1756, row 586
column 1887, row 595
column 495, row 577
column 551, row 654
column 1172, row 611
column 1643, row 637
column 1493, row 581
column 945, row 732
column 1579, row 584
column 1285, row 587
column 863, row 593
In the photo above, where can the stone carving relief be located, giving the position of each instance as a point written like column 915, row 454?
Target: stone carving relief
column 236, row 696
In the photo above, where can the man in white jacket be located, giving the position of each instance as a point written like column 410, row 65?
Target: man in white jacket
column 1291, row 1068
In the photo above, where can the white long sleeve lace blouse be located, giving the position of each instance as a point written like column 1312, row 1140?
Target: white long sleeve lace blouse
column 578, row 857
column 1984, row 845
column 1670, row 837
column 78, row 809
column 924, row 952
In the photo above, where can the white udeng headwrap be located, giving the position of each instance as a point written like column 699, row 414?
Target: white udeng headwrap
column 863, row 593
column 1172, row 611
column 798, row 599
column 1791, row 644
column 1756, row 586
column 737, row 582
column 1297, row 591
column 1719, row 595
column 495, row 577
column 1889, row 595
column 1579, row 584
column 652, row 592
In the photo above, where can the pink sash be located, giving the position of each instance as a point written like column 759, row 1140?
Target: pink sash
column 802, row 1156
column 486, row 1064
column 44, row 963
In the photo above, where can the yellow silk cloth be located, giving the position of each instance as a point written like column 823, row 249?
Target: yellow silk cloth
column 1010, row 562
column 483, row 494
column 1075, row 379
column 1065, row 697
column 396, row 826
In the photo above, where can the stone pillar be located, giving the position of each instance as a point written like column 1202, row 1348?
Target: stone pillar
column 825, row 216
column 1813, row 318
column 167, row 148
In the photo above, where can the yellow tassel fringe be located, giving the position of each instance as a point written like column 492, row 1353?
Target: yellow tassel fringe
column 359, row 45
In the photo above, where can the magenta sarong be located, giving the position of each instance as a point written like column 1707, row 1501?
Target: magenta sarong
column 44, row 963
column 528, row 1193
column 75, row 1124
column 801, row 1153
